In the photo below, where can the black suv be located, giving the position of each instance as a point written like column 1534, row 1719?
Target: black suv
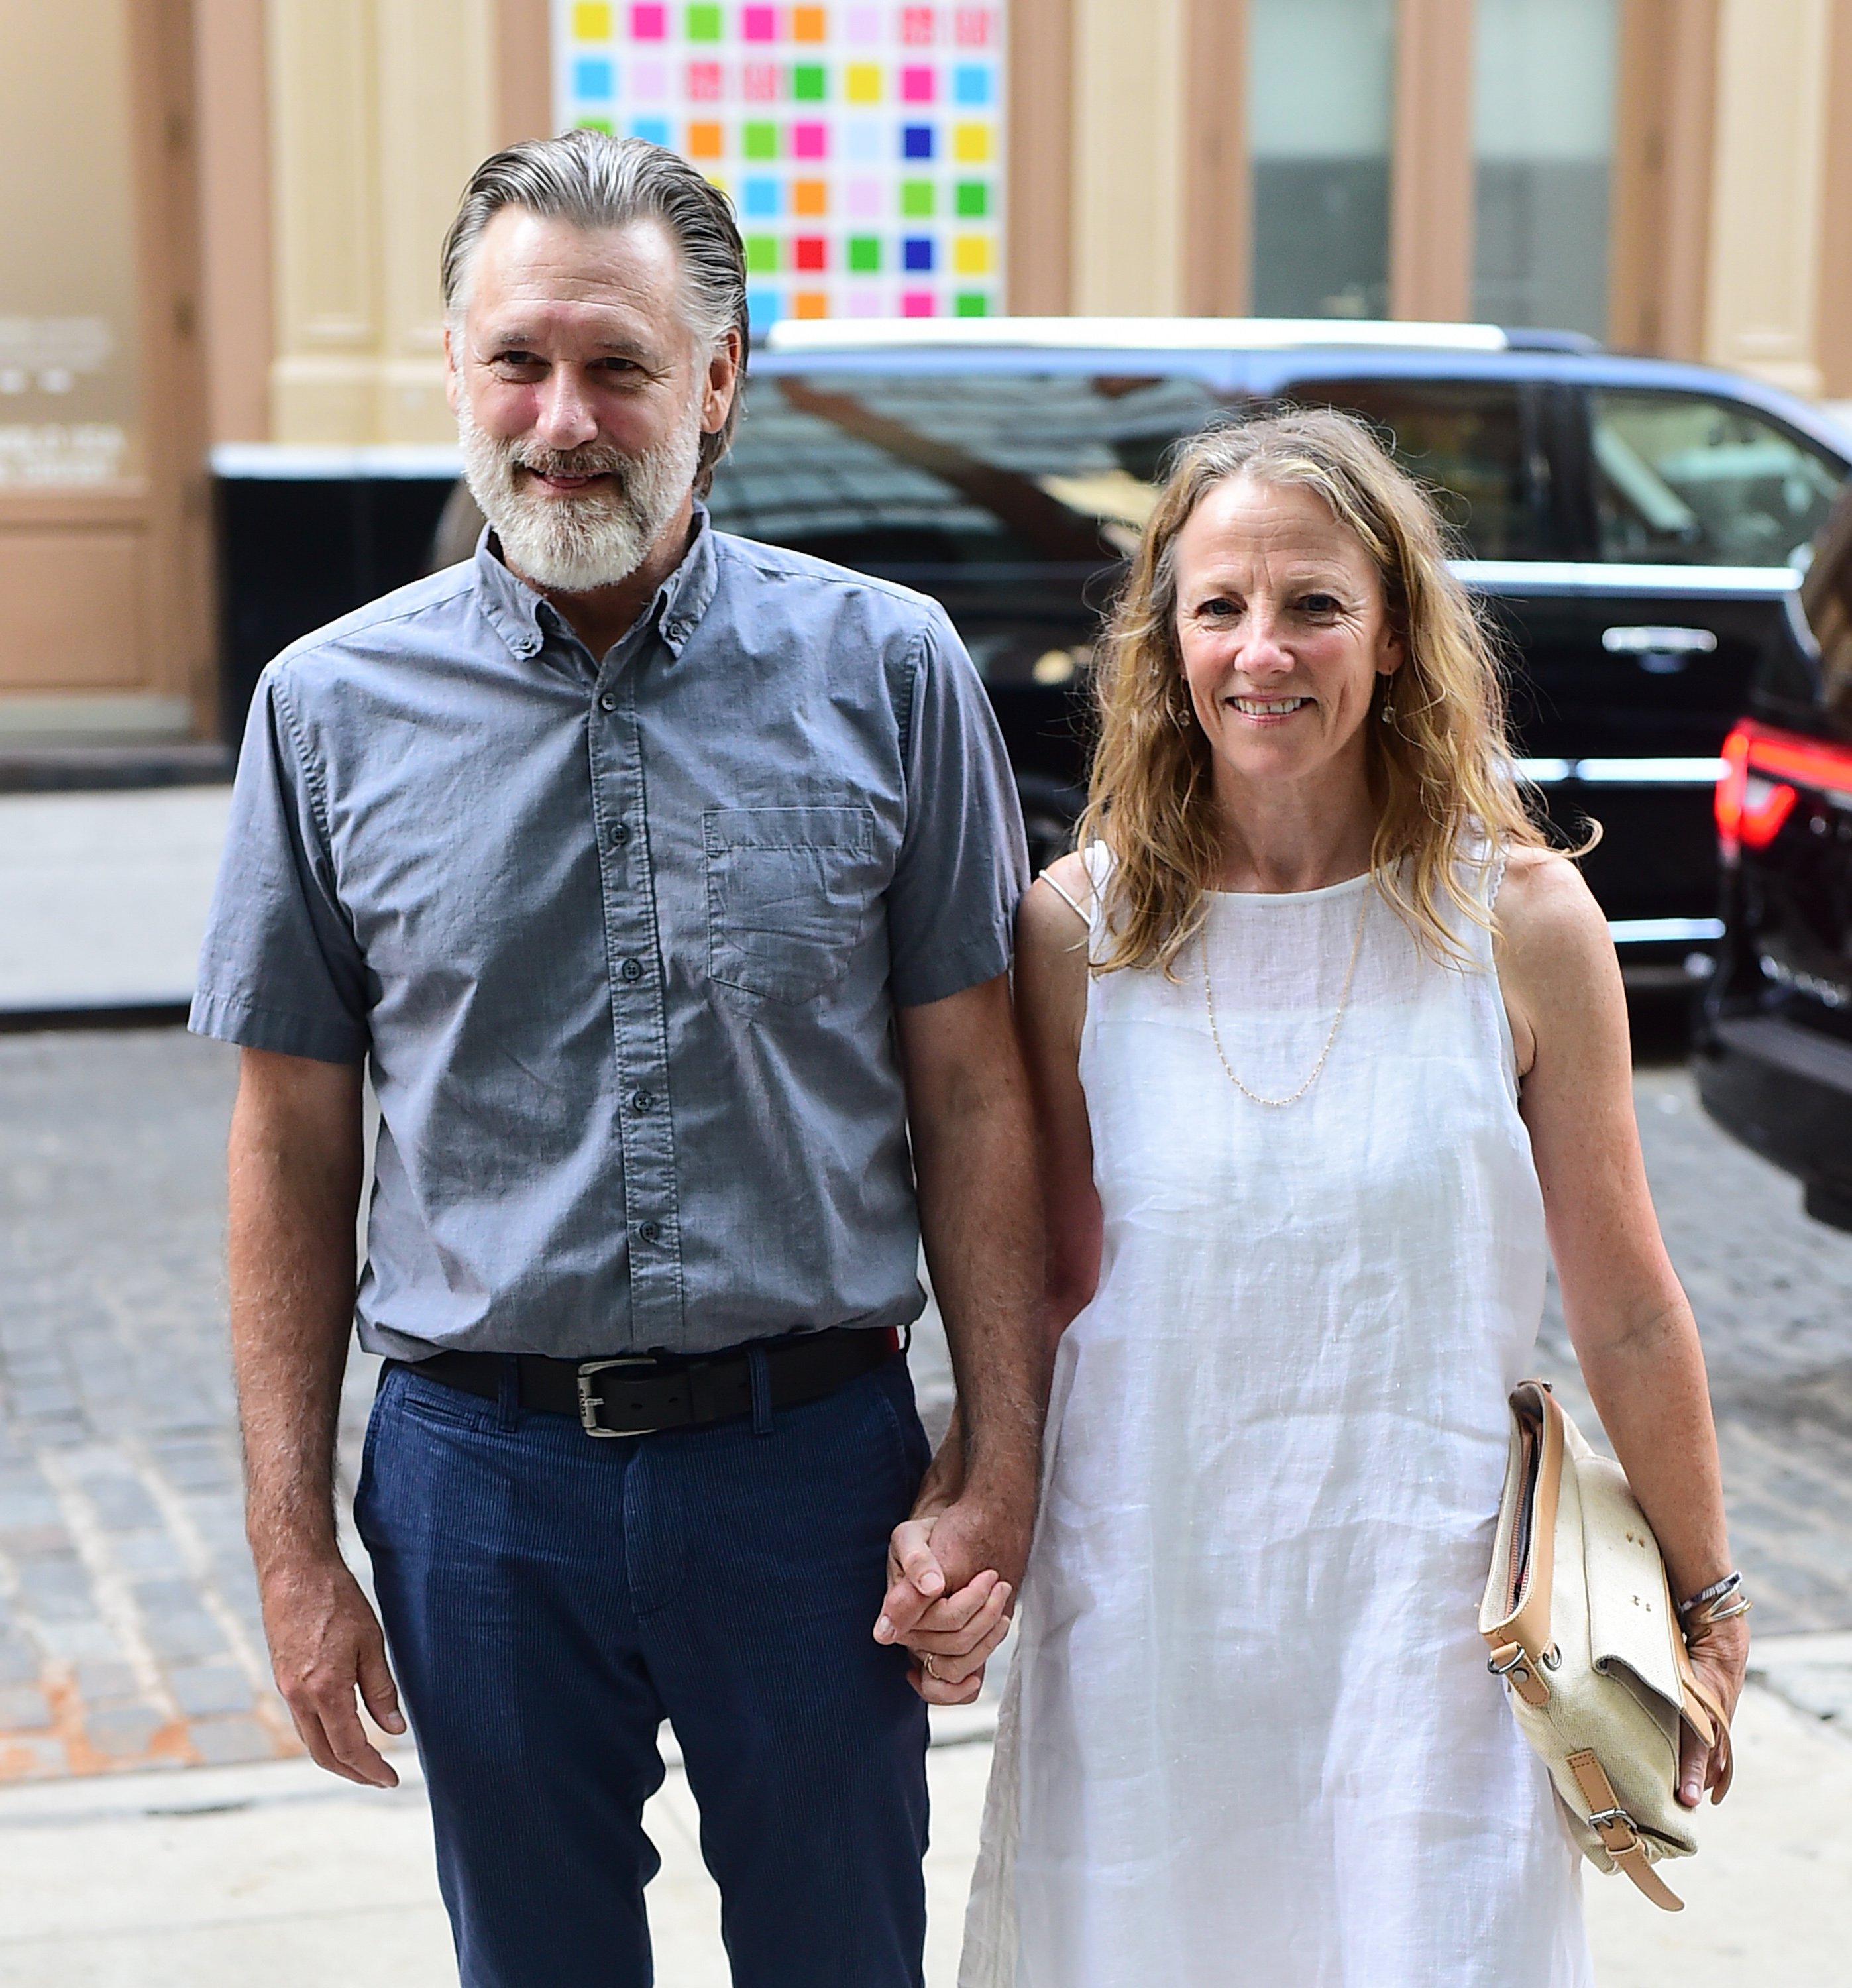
column 1631, row 522
column 1774, row 1046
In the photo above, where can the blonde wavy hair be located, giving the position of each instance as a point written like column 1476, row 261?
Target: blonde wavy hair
column 1441, row 773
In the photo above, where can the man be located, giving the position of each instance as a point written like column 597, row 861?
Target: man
column 664, row 881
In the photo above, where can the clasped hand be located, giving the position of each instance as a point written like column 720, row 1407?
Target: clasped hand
column 949, row 1618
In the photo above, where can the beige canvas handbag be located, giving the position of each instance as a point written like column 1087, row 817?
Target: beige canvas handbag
column 1583, row 1631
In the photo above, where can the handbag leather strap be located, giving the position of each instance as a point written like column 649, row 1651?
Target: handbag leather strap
column 1615, row 1827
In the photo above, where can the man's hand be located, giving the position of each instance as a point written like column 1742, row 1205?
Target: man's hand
column 325, row 1646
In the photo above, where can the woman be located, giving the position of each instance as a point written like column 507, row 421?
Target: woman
column 1328, row 1048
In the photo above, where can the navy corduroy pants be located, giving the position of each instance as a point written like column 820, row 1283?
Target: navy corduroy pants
column 550, row 1598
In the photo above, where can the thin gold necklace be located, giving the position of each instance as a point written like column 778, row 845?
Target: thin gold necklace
column 1343, row 1002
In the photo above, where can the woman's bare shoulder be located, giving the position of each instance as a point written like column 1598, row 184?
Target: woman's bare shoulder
column 1545, row 911
column 1556, row 960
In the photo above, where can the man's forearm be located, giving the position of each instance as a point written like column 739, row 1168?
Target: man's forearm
column 293, row 1200
column 980, row 1215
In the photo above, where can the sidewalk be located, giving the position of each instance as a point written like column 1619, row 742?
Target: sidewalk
column 219, row 1877
column 104, row 896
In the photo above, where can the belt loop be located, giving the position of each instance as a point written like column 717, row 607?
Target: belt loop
column 759, row 1368
column 507, row 1399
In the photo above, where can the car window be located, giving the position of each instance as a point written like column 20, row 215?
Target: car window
column 904, row 472
column 1684, row 479
column 1469, row 442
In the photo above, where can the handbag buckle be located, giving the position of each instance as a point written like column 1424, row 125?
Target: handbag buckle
column 1605, row 1819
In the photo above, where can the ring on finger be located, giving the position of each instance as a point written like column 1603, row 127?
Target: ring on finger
column 927, row 1664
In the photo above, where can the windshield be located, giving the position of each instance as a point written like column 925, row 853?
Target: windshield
column 906, row 471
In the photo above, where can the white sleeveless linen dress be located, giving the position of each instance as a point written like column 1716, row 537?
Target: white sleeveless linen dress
column 1248, row 1739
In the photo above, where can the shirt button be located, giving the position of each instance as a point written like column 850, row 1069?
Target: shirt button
column 643, row 1100
column 619, row 833
column 607, row 702
column 632, row 969
column 648, row 1232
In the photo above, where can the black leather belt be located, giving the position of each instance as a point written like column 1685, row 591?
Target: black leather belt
column 639, row 1394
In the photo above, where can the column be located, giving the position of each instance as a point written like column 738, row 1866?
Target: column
column 1430, row 210
column 1763, row 297
column 1128, row 156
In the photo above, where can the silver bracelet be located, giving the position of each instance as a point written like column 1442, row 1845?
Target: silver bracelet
column 1708, row 1605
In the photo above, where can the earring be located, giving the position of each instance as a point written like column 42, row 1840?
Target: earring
column 1387, row 714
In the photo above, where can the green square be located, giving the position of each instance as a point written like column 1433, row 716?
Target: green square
column 974, row 199
column 595, row 124
column 864, row 254
column 916, row 197
column 762, row 254
column 973, row 303
column 759, row 139
column 703, row 24
column 807, row 85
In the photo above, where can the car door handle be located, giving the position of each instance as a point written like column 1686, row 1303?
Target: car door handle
column 1661, row 651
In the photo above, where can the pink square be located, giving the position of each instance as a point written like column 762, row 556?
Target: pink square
column 650, row 82
column 808, row 141
column 704, row 82
column 864, row 200
column 971, row 27
column 863, row 303
column 917, row 86
column 760, row 24
column 649, row 23
column 917, row 303
column 916, row 27
column 758, row 82
column 864, row 26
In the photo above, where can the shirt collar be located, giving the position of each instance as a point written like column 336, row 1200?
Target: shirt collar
column 524, row 619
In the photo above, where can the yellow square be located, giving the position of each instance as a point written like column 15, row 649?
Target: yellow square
column 810, row 303
column 970, row 254
column 592, row 21
column 809, row 197
column 861, row 83
column 705, row 141
column 971, row 143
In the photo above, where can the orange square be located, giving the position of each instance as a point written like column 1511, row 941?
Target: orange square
column 704, row 140
column 810, row 303
column 807, row 24
column 809, row 197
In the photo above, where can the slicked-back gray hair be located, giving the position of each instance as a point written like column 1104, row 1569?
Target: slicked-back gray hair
column 597, row 182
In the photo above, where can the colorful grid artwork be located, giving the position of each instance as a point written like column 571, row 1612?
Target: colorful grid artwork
column 861, row 144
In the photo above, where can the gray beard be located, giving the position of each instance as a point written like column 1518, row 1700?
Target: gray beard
column 573, row 545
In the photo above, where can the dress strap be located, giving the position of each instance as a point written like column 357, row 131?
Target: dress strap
column 1085, row 917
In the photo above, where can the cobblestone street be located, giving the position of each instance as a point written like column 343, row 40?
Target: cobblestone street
column 129, row 1627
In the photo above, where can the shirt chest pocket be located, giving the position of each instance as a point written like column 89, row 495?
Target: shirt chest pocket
column 789, row 892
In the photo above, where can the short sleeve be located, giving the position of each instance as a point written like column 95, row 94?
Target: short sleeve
column 280, row 968
column 964, row 864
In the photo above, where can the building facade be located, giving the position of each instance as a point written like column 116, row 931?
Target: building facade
column 235, row 247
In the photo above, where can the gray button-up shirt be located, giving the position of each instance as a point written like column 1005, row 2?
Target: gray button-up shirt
column 622, row 941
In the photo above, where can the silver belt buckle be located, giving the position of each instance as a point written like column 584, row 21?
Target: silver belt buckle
column 589, row 1404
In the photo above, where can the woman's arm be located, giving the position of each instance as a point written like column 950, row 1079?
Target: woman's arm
column 1051, row 1008
column 1629, row 1320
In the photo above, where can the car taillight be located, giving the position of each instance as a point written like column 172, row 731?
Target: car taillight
column 1754, row 795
